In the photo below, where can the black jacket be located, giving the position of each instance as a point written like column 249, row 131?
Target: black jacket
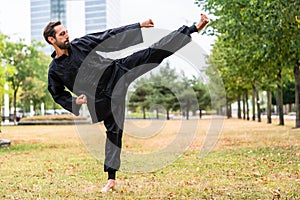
column 84, row 71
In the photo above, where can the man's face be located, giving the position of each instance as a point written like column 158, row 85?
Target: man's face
column 61, row 37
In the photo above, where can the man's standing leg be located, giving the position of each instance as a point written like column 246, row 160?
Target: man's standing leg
column 114, row 132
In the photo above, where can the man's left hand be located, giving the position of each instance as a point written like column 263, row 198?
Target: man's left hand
column 81, row 99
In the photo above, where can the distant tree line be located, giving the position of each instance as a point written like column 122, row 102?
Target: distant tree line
column 24, row 68
column 168, row 91
column 257, row 49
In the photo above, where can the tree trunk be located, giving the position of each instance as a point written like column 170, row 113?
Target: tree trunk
column 244, row 106
column 247, row 107
column 290, row 106
column 0, row 115
column 253, row 102
column 297, row 93
column 15, row 106
column 168, row 114
column 144, row 113
column 239, row 107
column 258, row 105
column 269, row 107
column 227, row 109
column 280, row 99
column 187, row 112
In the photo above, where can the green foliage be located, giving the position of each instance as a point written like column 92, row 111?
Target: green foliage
column 257, row 42
column 24, row 67
column 168, row 90
column 202, row 94
column 139, row 97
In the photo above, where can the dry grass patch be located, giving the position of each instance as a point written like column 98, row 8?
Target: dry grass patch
column 68, row 117
column 249, row 161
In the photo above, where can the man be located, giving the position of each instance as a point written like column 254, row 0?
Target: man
column 101, row 82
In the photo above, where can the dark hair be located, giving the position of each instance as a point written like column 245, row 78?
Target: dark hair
column 49, row 30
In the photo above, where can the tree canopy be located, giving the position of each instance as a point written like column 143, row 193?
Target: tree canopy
column 257, row 45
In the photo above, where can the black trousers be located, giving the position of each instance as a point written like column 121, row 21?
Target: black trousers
column 123, row 72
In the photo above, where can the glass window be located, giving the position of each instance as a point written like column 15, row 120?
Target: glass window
column 95, row 2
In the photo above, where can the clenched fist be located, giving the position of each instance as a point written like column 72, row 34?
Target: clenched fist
column 147, row 24
column 81, row 99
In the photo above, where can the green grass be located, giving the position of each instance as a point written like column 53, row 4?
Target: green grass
column 149, row 115
column 263, row 163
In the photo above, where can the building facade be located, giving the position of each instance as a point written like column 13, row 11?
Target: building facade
column 82, row 16
column 101, row 14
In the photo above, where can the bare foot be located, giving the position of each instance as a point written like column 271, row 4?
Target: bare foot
column 202, row 23
column 111, row 185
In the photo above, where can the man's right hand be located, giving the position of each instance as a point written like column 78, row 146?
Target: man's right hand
column 202, row 23
column 81, row 99
column 147, row 24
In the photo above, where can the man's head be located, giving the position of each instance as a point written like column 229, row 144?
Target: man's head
column 57, row 35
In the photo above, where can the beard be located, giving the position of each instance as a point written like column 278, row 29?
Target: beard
column 63, row 45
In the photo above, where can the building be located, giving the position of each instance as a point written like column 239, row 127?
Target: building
column 101, row 14
column 43, row 11
column 80, row 16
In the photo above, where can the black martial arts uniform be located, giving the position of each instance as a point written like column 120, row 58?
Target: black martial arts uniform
column 105, row 81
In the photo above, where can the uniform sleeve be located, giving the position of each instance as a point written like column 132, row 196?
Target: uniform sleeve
column 61, row 95
column 112, row 39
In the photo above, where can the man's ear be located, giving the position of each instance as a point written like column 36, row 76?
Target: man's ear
column 51, row 39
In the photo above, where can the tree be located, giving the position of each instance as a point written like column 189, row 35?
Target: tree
column 165, row 97
column 33, row 90
column 24, row 59
column 263, row 37
column 34, row 87
column 140, row 97
column 202, row 94
column 6, row 70
column 2, row 82
column 165, row 88
column 2, row 74
column 187, row 97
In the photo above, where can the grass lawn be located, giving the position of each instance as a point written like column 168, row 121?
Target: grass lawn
column 250, row 160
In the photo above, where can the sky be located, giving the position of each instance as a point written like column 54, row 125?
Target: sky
column 166, row 14
column 15, row 18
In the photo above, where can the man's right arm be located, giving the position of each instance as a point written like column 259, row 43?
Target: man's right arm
column 115, row 39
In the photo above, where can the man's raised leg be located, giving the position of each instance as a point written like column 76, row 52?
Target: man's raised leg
column 145, row 60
